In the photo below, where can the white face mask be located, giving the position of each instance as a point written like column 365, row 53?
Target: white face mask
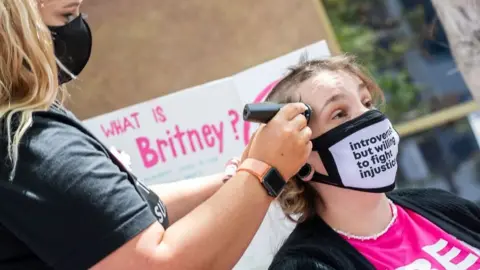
column 360, row 154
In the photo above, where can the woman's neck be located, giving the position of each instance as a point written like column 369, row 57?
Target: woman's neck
column 354, row 212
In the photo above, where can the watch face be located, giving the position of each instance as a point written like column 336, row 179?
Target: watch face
column 273, row 182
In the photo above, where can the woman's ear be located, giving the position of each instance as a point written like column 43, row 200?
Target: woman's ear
column 316, row 162
column 306, row 173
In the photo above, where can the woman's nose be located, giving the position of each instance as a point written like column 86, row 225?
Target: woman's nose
column 77, row 10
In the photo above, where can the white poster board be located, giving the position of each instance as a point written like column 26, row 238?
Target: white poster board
column 194, row 132
column 185, row 135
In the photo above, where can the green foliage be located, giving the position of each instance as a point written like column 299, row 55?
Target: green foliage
column 360, row 27
column 401, row 94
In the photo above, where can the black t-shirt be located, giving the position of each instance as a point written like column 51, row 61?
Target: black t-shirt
column 70, row 203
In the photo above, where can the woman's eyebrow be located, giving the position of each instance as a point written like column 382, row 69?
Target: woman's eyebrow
column 332, row 99
column 361, row 86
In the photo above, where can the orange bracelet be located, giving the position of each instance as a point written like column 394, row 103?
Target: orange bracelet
column 255, row 167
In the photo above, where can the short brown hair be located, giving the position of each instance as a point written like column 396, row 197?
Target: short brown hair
column 299, row 198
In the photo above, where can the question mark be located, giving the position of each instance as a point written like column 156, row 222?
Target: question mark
column 234, row 122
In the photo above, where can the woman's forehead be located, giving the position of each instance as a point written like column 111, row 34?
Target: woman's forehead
column 327, row 83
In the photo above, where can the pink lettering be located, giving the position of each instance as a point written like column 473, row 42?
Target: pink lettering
column 149, row 156
column 161, row 144
column 159, row 115
column 180, row 143
column 206, row 134
column 108, row 131
column 219, row 134
column 117, row 126
column 172, row 146
column 179, row 136
column 127, row 124
column 135, row 117
column 191, row 134
column 121, row 125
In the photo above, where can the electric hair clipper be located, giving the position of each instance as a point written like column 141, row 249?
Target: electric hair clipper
column 264, row 112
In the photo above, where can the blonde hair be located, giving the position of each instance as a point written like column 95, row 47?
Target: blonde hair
column 299, row 198
column 28, row 70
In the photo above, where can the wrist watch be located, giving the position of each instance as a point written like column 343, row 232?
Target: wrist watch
column 270, row 178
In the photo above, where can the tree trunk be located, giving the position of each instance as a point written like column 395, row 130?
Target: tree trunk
column 461, row 21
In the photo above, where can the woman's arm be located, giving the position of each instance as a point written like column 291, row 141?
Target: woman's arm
column 183, row 196
column 180, row 197
column 216, row 233
column 213, row 236
column 88, row 214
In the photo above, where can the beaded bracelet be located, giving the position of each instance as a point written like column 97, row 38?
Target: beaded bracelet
column 231, row 169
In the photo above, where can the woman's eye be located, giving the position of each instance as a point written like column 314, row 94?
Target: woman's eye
column 368, row 104
column 339, row 114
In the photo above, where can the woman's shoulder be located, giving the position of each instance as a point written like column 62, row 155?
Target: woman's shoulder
column 56, row 117
column 58, row 130
column 49, row 132
column 437, row 202
column 419, row 192
column 54, row 142
column 50, row 121
column 428, row 197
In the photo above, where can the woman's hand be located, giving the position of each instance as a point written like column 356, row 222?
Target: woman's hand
column 284, row 142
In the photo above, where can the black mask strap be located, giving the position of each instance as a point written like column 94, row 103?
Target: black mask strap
column 325, row 179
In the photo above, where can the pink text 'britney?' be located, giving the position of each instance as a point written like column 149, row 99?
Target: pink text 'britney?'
column 174, row 142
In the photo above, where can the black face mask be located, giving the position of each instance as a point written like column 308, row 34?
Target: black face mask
column 73, row 46
column 360, row 154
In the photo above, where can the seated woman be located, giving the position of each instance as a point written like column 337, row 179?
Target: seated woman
column 348, row 216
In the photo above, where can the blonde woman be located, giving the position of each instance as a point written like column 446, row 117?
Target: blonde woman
column 348, row 215
column 66, row 202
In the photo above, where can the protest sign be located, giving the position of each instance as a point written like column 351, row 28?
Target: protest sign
column 188, row 134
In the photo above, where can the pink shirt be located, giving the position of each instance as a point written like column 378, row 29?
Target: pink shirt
column 414, row 243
